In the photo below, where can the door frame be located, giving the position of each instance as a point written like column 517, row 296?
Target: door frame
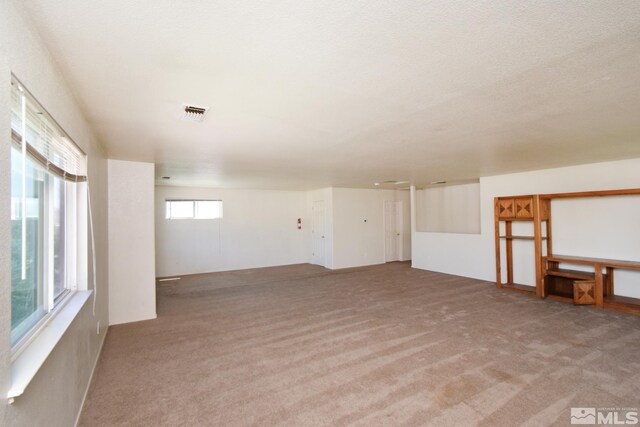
column 399, row 224
column 313, row 233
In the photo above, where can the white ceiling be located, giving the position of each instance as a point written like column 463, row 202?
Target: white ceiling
column 304, row 94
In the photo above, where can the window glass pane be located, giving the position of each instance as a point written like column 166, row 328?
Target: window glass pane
column 181, row 209
column 59, row 236
column 27, row 296
column 208, row 209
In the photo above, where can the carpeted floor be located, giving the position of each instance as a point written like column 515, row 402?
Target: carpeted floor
column 383, row 345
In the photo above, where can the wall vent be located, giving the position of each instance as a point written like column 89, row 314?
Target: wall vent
column 194, row 114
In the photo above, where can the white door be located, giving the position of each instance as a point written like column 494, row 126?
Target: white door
column 392, row 230
column 317, row 233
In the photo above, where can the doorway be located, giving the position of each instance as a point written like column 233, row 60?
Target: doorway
column 318, row 233
column 392, row 231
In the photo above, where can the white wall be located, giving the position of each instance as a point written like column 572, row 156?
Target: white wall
column 474, row 255
column 258, row 229
column 54, row 396
column 449, row 209
column 356, row 242
column 132, row 279
column 358, row 227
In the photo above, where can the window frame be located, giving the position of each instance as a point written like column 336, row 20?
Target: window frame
column 194, row 209
column 73, row 220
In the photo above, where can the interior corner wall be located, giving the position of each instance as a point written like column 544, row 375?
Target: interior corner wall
column 474, row 255
column 358, row 226
column 405, row 198
column 56, row 393
column 132, row 278
column 258, row 228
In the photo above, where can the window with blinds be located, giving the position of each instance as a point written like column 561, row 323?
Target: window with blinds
column 48, row 174
column 46, row 142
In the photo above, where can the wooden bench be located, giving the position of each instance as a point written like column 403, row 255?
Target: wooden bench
column 562, row 282
column 604, row 281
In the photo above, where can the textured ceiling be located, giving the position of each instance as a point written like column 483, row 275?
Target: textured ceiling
column 304, row 94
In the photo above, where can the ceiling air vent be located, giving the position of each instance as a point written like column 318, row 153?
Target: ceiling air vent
column 194, row 114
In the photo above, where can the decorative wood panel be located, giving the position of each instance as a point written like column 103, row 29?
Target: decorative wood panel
column 584, row 292
column 524, row 208
column 505, row 208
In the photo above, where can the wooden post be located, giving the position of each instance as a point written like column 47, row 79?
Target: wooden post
column 537, row 240
column 548, row 225
column 497, row 236
column 509, row 251
column 599, row 286
column 608, row 289
column 546, row 265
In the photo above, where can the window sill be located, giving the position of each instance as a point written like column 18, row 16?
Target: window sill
column 31, row 358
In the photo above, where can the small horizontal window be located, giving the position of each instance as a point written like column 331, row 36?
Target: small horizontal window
column 193, row 209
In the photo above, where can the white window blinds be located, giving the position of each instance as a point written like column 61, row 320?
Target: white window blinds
column 46, row 141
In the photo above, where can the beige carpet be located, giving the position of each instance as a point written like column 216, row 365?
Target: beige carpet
column 384, row 345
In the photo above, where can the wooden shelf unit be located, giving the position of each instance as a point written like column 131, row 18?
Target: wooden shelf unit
column 521, row 208
column 549, row 276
